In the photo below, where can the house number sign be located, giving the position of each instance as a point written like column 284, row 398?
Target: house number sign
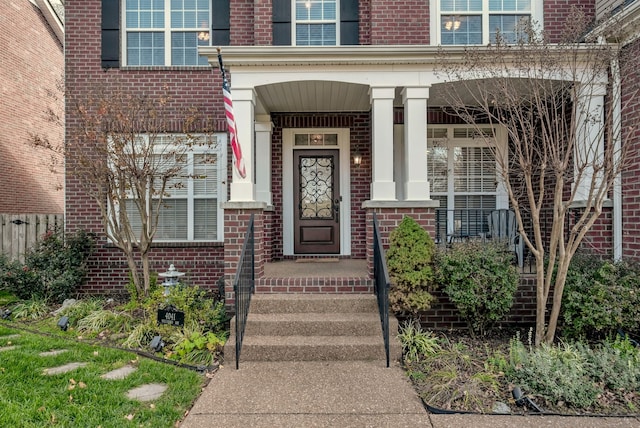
column 171, row 316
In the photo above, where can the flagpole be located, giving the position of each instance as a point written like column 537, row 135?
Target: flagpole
column 238, row 161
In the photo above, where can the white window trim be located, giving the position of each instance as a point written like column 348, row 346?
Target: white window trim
column 294, row 25
column 288, row 136
column 537, row 17
column 220, row 150
column 167, row 30
column 450, row 142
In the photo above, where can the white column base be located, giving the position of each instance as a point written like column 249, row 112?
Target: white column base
column 242, row 191
column 417, row 191
column 383, row 191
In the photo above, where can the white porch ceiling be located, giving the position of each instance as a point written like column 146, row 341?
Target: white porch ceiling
column 314, row 96
column 324, row 96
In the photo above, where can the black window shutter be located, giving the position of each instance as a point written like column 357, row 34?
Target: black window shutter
column 110, row 56
column 281, row 22
column 349, row 22
column 221, row 25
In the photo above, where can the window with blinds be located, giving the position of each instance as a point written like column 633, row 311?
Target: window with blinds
column 166, row 32
column 462, row 167
column 316, row 22
column 190, row 209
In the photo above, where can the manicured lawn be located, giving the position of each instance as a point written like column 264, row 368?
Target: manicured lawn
column 81, row 398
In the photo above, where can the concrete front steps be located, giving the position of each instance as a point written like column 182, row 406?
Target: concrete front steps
column 313, row 327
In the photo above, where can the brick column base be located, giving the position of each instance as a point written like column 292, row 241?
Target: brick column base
column 237, row 216
column 390, row 214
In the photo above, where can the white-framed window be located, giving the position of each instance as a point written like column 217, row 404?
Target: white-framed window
column 191, row 209
column 463, row 176
column 165, row 32
column 475, row 22
column 316, row 22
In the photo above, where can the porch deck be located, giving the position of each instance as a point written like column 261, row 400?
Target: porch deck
column 305, row 268
column 315, row 276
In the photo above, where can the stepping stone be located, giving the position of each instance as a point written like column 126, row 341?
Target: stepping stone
column 63, row 369
column 7, row 348
column 10, row 336
column 120, row 373
column 52, row 353
column 148, row 392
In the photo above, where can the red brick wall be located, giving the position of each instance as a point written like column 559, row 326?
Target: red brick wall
column 399, row 22
column 31, row 62
column 242, row 22
column 631, row 174
column 190, row 87
column 557, row 11
column 263, row 23
column 359, row 126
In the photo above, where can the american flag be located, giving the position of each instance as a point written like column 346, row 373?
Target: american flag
column 238, row 162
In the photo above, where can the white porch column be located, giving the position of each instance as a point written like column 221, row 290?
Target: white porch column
column 244, row 101
column 416, row 186
column 383, row 188
column 589, row 149
column 263, row 159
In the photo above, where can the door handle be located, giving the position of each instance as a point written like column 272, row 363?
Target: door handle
column 336, row 208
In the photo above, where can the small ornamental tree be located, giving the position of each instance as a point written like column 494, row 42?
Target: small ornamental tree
column 409, row 260
column 126, row 149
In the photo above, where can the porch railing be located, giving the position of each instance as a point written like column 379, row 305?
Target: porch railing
column 243, row 287
column 464, row 224
column 381, row 284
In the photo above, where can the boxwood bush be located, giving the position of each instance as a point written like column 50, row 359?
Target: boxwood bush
column 600, row 297
column 480, row 280
column 410, row 262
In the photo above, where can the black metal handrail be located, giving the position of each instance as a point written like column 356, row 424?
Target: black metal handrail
column 381, row 283
column 243, row 287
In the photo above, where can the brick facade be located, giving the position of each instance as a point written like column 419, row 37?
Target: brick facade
column 631, row 174
column 31, row 58
column 381, row 22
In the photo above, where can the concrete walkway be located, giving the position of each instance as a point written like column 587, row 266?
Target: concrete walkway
column 341, row 394
column 308, row 394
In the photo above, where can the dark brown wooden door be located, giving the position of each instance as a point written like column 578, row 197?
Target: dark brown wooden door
column 316, row 202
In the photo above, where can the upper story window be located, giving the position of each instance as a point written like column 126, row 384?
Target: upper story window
column 475, row 22
column 166, row 32
column 316, row 22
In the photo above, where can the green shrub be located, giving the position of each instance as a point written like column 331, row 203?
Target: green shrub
column 416, row 342
column 480, row 280
column 558, row 373
column 197, row 304
column 54, row 267
column 409, row 259
column 600, row 297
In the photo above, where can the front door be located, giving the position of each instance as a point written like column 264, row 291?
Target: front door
column 316, row 202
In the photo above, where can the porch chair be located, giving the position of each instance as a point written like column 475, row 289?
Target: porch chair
column 504, row 227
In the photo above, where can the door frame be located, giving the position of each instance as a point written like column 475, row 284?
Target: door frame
column 287, row 184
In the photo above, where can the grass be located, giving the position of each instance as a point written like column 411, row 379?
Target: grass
column 81, row 397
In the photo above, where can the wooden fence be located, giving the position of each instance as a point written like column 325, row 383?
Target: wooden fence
column 18, row 232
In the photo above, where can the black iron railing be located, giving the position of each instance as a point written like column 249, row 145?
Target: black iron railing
column 381, row 283
column 468, row 224
column 243, row 287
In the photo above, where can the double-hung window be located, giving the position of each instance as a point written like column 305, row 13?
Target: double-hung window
column 166, row 32
column 316, row 22
column 190, row 209
column 463, row 176
column 476, row 22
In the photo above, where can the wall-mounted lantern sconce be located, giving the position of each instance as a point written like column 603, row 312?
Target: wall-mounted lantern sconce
column 357, row 159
